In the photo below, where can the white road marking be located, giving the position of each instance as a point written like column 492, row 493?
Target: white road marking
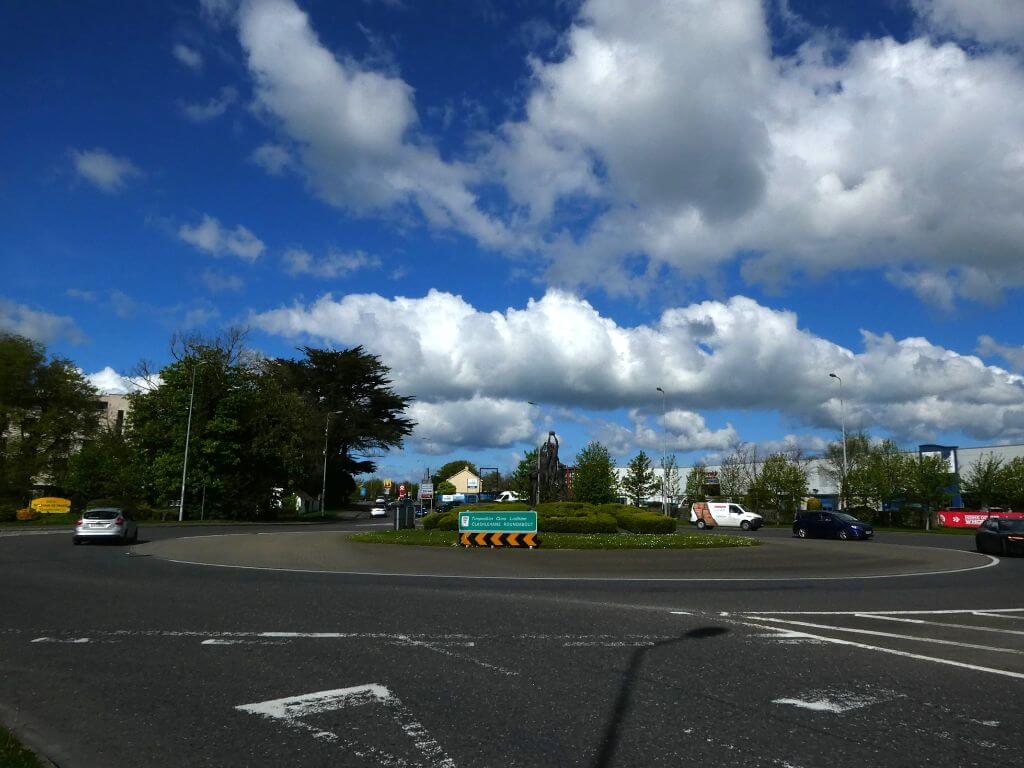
column 886, row 613
column 891, row 635
column 994, row 615
column 836, row 705
column 681, row 613
column 69, row 640
column 992, row 561
column 894, row 652
column 608, row 644
column 291, row 711
column 905, row 620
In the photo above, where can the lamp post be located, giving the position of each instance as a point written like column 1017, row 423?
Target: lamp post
column 188, row 434
column 323, row 485
column 842, row 417
column 537, row 494
column 664, row 453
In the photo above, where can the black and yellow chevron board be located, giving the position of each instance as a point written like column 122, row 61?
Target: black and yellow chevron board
column 499, row 540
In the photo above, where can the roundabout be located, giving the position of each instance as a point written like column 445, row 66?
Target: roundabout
column 777, row 560
column 277, row 645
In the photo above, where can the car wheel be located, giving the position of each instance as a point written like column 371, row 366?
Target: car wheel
column 801, row 533
column 701, row 524
column 75, row 540
column 844, row 535
column 745, row 525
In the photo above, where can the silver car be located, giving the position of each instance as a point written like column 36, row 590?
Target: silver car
column 106, row 523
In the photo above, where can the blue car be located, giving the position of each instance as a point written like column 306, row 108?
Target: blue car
column 831, row 525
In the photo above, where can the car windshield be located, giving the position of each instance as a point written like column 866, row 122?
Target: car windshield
column 101, row 514
column 845, row 518
column 1013, row 525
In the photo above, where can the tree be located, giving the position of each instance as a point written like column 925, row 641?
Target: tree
column 731, row 477
column 984, row 482
column 519, row 481
column 669, row 480
column 784, row 480
column 930, row 482
column 453, row 468
column 260, row 424
column 594, row 480
column 367, row 417
column 1013, row 483
column 640, row 480
column 47, row 409
column 106, row 467
column 444, row 487
column 858, row 447
column 696, row 483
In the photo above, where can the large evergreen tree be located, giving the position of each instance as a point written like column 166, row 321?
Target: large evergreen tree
column 640, row 480
column 593, row 479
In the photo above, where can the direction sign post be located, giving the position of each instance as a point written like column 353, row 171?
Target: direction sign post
column 498, row 529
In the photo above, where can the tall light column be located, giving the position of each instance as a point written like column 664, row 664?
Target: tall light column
column 664, row 453
column 323, row 485
column 842, row 417
column 188, row 434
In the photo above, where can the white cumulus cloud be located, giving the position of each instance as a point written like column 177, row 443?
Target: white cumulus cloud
column 354, row 126
column 210, row 236
column 212, row 108
column 988, row 21
column 713, row 355
column 476, row 422
column 333, row 265
column 37, row 325
column 188, row 57
column 104, row 170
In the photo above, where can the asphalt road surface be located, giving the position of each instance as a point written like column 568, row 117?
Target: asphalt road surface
column 111, row 659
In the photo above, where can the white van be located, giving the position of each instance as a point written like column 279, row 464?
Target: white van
column 709, row 514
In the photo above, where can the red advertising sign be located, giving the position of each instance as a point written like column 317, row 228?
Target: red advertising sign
column 970, row 518
column 401, row 491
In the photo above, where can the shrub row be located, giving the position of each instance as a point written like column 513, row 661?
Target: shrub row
column 595, row 523
column 636, row 520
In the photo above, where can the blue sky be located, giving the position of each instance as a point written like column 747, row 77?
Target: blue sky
column 721, row 199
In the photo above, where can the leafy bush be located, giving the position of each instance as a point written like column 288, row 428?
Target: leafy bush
column 447, row 521
column 637, row 520
column 595, row 523
column 813, row 503
column 566, row 509
column 495, row 506
column 7, row 513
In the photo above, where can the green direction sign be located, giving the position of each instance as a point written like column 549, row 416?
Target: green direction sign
column 497, row 522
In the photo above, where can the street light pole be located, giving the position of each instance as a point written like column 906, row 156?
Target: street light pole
column 537, row 493
column 323, row 485
column 842, row 417
column 664, row 454
column 188, row 434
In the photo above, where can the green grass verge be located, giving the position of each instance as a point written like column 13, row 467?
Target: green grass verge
column 569, row 540
column 13, row 755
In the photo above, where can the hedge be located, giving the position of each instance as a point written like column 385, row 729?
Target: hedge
column 597, row 523
column 566, row 509
column 636, row 520
column 448, row 521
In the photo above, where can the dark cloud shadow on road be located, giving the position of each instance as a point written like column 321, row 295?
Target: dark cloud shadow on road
column 610, row 742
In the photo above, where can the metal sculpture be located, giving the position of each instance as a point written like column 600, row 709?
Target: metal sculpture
column 548, row 480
